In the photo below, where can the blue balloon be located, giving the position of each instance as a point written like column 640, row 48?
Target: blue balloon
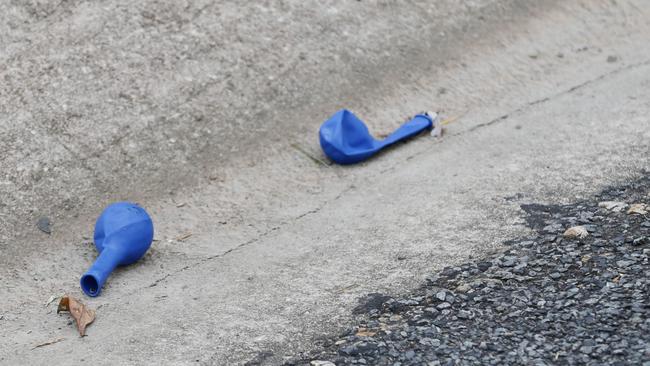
column 345, row 138
column 123, row 234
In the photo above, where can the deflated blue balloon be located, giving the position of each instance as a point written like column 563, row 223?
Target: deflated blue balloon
column 345, row 138
column 123, row 233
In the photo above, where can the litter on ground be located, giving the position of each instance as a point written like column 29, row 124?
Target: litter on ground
column 81, row 314
column 123, row 234
column 345, row 138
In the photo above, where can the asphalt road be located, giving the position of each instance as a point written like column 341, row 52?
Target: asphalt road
column 574, row 292
column 195, row 109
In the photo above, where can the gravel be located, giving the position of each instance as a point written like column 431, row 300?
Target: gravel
column 544, row 300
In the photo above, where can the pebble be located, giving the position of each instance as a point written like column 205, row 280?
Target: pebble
column 638, row 209
column 615, row 206
column 576, row 232
column 441, row 295
column 321, row 363
column 43, row 224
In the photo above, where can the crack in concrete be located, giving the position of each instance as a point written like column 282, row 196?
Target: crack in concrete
column 552, row 97
column 528, row 105
column 209, row 258
column 251, row 241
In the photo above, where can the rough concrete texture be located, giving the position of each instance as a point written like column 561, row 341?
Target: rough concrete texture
column 199, row 111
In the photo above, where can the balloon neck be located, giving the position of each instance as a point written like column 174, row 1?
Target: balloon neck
column 414, row 126
column 93, row 280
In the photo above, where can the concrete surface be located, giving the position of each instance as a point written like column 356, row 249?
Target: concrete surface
column 195, row 109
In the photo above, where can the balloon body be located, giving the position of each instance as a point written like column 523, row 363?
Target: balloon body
column 345, row 139
column 123, row 234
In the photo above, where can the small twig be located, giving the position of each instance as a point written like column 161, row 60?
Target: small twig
column 48, row 343
column 454, row 119
column 183, row 237
column 449, row 120
column 346, row 288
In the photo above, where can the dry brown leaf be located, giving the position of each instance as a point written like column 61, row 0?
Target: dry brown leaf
column 82, row 315
column 638, row 208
